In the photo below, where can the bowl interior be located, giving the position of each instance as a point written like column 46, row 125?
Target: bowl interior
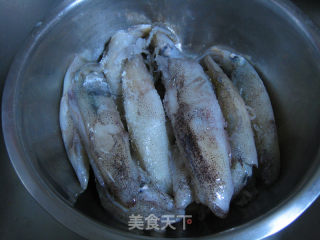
column 280, row 50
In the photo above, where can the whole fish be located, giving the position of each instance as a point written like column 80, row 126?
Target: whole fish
column 71, row 139
column 241, row 139
column 198, row 124
column 123, row 187
column 146, row 121
column 255, row 95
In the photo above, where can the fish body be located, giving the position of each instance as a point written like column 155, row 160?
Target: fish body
column 198, row 125
column 146, row 121
column 241, row 138
column 71, row 139
column 123, row 187
column 252, row 90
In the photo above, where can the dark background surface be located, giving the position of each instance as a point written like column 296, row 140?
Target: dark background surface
column 21, row 217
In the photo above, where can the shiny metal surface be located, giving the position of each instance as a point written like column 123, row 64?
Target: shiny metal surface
column 283, row 45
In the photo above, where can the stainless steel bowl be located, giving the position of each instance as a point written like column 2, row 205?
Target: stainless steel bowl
column 282, row 43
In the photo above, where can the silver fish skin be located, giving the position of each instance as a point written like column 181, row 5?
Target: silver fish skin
column 71, row 139
column 123, row 187
column 241, row 138
column 198, row 125
column 252, row 90
column 146, row 121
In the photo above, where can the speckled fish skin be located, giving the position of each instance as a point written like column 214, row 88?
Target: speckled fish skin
column 123, row 45
column 122, row 186
column 149, row 202
column 241, row 138
column 71, row 139
column 255, row 95
column 107, row 144
column 181, row 180
column 146, row 121
column 198, row 125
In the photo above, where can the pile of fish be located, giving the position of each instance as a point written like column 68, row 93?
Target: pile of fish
column 198, row 142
